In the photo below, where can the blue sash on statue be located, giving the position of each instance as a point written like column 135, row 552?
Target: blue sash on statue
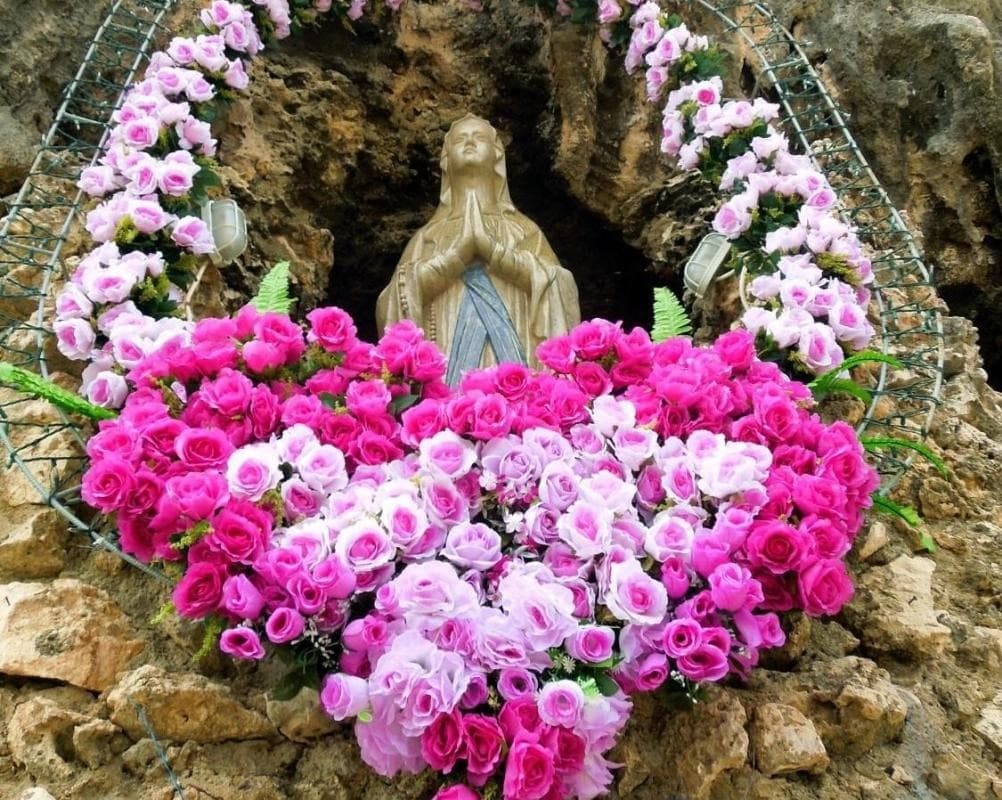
column 483, row 318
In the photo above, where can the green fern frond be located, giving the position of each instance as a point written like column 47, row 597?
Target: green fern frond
column 874, row 443
column 869, row 357
column 273, row 294
column 670, row 317
column 842, row 386
column 907, row 514
column 831, row 382
column 28, row 382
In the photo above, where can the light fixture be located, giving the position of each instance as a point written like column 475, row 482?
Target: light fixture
column 705, row 262
column 228, row 225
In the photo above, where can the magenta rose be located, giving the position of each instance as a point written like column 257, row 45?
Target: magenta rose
column 529, row 772
column 242, row 643
column 200, row 591
column 284, row 625
column 108, row 484
column 443, row 742
column 203, row 448
column 777, row 547
column 484, row 744
column 824, row 587
column 241, row 598
column 456, row 792
column 332, row 328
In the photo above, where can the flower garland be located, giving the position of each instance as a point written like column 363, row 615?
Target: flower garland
column 808, row 297
column 482, row 576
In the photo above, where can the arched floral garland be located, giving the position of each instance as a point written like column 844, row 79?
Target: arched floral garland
column 479, row 576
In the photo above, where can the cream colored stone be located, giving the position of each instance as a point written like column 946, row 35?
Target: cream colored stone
column 65, row 631
column 33, row 543
column 183, row 707
column 301, row 718
column 897, row 609
column 34, row 733
column 874, row 538
column 36, row 793
column 989, row 725
column 783, row 740
column 97, row 741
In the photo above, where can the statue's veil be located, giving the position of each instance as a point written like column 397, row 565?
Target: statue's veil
column 501, row 194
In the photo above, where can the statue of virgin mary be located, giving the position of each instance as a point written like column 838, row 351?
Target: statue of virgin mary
column 480, row 277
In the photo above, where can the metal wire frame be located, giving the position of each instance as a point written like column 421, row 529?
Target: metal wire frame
column 47, row 449
column 909, row 325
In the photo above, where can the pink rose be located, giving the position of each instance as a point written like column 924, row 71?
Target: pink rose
column 284, row 625
column 455, row 792
column 332, row 328
column 241, row 598
column 732, row 588
column 200, row 591
column 443, row 742
column 824, row 587
column 529, row 772
column 591, row 643
column 777, row 547
column 484, row 743
column 108, row 483
column 242, row 643
column 201, row 449
column 561, row 703
column 192, row 234
column 344, row 696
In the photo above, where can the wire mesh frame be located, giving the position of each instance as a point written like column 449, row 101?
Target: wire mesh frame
column 30, row 248
column 909, row 324
column 47, row 448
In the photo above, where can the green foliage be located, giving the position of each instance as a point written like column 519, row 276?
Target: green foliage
column 214, row 627
column 908, row 515
column 832, row 382
column 872, row 444
column 273, row 294
column 670, row 317
column 28, row 382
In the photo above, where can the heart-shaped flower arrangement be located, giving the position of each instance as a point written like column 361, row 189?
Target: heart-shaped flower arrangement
column 481, row 576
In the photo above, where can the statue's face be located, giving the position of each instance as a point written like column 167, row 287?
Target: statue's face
column 470, row 146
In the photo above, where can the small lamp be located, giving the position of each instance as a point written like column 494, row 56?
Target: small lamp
column 228, row 225
column 705, row 262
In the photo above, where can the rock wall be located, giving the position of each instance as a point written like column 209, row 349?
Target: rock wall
column 334, row 156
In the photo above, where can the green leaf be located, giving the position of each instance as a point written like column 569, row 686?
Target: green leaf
column 606, row 685
column 872, row 444
column 908, row 515
column 402, row 403
column 273, row 294
column 289, row 684
column 670, row 317
column 831, row 382
column 841, row 386
column 28, row 382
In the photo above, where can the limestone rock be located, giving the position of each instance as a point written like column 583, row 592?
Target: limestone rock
column 183, row 707
column 97, row 741
column 989, row 726
column 36, row 793
column 684, row 751
column 783, row 740
column 65, row 631
column 872, row 540
column 18, row 150
column 868, row 715
column 35, row 733
column 301, row 718
column 33, row 543
column 894, row 611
